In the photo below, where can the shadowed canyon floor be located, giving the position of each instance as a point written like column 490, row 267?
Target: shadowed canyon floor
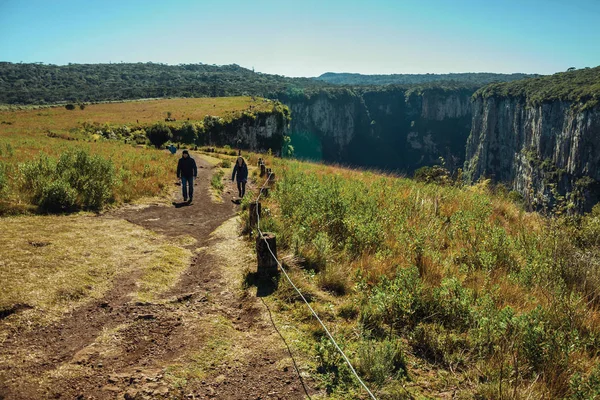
column 205, row 337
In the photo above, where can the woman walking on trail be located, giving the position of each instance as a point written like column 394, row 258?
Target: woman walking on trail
column 241, row 169
column 186, row 172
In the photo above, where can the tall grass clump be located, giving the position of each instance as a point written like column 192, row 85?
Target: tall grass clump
column 75, row 180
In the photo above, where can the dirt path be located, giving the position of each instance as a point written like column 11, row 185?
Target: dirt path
column 205, row 337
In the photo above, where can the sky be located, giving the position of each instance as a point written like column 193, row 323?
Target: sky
column 308, row 37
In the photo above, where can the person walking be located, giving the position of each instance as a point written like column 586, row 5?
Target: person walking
column 241, row 170
column 186, row 172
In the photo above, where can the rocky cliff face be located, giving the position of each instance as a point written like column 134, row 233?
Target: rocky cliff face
column 266, row 132
column 259, row 131
column 550, row 153
column 391, row 128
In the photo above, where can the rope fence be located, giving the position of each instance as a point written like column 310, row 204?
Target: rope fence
column 287, row 277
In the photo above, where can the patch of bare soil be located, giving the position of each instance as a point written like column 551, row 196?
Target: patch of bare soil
column 204, row 338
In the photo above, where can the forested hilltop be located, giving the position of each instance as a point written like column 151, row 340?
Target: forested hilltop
column 46, row 84
column 467, row 78
column 582, row 86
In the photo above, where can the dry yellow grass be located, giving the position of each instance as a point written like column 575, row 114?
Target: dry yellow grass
column 142, row 112
column 54, row 263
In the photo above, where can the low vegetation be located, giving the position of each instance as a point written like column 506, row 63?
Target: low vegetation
column 416, row 277
column 474, row 79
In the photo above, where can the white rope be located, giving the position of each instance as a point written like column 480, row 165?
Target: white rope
column 302, row 296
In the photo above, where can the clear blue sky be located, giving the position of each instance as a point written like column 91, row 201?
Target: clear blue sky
column 309, row 37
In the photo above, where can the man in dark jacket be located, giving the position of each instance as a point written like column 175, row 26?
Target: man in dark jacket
column 186, row 172
column 241, row 170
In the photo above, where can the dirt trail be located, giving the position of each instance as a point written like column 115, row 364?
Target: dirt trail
column 206, row 338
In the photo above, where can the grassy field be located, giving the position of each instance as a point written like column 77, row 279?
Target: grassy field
column 133, row 112
column 437, row 291
column 27, row 136
column 53, row 264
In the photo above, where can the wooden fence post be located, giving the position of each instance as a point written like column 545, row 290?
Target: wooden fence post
column 267, row 262
column 263, row 170
column 252, row 214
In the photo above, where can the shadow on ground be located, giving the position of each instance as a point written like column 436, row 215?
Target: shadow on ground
column 265, row 286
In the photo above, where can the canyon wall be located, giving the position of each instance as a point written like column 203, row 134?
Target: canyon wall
column 549, row 152
column 387, row 128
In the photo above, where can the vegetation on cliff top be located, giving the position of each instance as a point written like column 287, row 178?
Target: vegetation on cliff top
column 467, row 78
column 581, row 86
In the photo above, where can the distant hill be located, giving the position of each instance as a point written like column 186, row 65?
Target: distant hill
column 48, row 84
column 467, row 78
column 44, row 84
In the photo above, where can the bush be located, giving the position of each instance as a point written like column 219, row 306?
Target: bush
column 583, row 388
column 378, row 361
column 226, row 163
column 216, row 181
column 439, row 345
column 188, row 133
column 159, row 134
column 70, row 107
column 91, row 176
column 435, row 174
column 51, row 184
column 393, row 302
column 57, row 196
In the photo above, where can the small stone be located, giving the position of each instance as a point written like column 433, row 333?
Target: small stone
column 111, row 388
column 131, row 394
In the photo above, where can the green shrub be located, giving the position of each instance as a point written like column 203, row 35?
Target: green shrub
column 585, row 387
column 91, row 178
column 216, row 180
column 439, row 345
column 57, row 196
column 435, row 174
column 379, row 361
column 393, row 302
column 188, row 133
column 34, row 176
column 226, row 163
column 159, row 134
column 451, row 304
column 332, row 366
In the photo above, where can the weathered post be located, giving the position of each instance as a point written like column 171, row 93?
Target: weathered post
column 267, row 262
column 271, row 182
column 260, row 161
column 253, row 214
column 263, row 170
column 265, row 192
